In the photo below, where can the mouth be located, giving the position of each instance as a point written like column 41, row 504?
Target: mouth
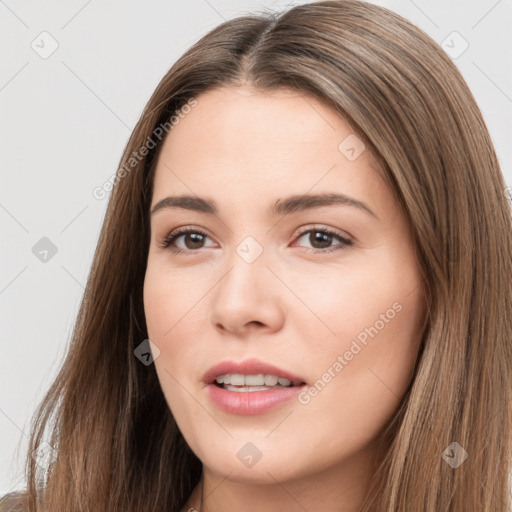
column 250, row 375
column 258, row 382
column 251, row 387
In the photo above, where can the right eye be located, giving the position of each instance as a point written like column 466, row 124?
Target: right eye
column 197, row 238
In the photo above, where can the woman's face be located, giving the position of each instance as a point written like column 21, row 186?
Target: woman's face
column 328, row 291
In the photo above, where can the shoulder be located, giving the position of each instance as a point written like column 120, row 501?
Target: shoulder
column 13, row 502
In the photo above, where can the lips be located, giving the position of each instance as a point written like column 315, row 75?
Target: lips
column 249, row 367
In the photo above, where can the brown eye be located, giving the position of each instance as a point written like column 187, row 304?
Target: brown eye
column 322, row 238
column 196, row 240
column 193, row 239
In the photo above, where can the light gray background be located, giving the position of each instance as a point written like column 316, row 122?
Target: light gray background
column 64, row 122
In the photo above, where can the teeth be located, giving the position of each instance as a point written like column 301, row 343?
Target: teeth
column 245, row 388
column 271, row 380
column 237, row 379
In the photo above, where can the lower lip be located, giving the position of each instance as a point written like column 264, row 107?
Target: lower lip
column 251, row 402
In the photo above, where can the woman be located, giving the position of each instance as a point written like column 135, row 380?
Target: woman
column 218, row 362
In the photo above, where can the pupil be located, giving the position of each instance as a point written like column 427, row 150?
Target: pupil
column 197, row 236
column 320, row 237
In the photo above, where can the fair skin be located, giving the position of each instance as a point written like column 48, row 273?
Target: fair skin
column 291, row 307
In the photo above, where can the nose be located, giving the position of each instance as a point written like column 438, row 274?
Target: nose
column 246, row 299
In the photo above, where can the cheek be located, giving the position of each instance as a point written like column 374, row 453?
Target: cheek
column 163, row 309
column 172, row 311
column 171, row 299
column 174, row 307
column 362, row 370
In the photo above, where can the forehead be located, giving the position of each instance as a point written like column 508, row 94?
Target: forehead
column 246, row 145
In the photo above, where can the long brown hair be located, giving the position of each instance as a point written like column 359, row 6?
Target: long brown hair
column 118, row 447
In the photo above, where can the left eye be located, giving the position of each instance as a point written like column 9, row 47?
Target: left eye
column 322, row 236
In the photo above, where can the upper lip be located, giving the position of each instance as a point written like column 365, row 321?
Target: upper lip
column 248, row 367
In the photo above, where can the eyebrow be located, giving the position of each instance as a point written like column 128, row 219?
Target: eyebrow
column 280, row 207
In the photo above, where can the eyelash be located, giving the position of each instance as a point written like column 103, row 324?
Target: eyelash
column 169, row 239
